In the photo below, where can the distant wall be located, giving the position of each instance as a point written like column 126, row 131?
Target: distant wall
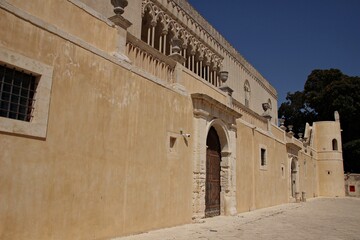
column 352, row 185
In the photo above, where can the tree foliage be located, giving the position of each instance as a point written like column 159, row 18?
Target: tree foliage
column 325, row 92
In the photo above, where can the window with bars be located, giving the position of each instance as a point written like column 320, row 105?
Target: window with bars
column 17, row 90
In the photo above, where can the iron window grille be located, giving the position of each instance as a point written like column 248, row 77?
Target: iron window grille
column 17, row 90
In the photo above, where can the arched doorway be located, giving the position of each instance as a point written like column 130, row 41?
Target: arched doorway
column 294, row 172
column 212, row 187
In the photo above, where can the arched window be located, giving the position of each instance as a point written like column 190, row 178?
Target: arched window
column 334, row 144
column 247, row 92
column 270, row 104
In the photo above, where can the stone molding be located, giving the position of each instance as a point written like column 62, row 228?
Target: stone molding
column 205, row 106
column 92, row 12
column 120, row 21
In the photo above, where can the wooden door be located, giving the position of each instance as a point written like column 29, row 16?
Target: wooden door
column 213, row 158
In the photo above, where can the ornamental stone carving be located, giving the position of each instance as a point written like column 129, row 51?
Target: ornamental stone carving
column 188, row 40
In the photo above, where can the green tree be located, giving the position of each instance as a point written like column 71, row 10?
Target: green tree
column 326, row 91
column 296, row 112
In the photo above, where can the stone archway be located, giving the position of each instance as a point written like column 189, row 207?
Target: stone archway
column 294, row 171
column 227, row 167
column 210, row 114
column 212, row 185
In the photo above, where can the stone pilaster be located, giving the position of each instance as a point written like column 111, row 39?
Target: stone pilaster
column 199, row 165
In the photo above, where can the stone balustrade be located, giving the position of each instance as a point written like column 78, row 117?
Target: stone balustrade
column 149, row 60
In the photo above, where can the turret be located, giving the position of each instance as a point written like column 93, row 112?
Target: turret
column 327, row 144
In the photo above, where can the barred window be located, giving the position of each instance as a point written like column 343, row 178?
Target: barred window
column 17, row 90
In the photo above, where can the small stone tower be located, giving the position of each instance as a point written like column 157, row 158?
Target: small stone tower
column 327, row 144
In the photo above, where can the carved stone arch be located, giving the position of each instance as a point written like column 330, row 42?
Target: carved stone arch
column 160, row 23
column 223, row 134
column 167, row 20
column 157, row 10
column 160, row 17
column 172, row 27
column 148, row 6
column 294, row 177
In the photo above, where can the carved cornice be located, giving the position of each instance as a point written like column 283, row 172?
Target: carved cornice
column 206, row 106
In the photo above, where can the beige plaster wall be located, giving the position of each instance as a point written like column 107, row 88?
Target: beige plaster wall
column 238, row 75
column 270, row 185
column 132, row 12
column 331, row 179
column 259, row 187
column 105, row 168
column 244, row 168
column 308, row 175
column 194, row 84
column 72, row 20
column 324, row 133
column 330, row 162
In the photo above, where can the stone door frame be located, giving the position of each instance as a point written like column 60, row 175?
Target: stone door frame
column 294, row 176
column 210, row 113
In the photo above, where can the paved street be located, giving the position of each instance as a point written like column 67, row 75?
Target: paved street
column 322, row 218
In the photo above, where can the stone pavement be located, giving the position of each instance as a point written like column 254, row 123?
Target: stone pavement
column 321, row 218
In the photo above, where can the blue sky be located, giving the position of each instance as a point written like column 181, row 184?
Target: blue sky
column 286, row 39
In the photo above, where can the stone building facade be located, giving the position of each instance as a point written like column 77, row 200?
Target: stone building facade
column 115, row 124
